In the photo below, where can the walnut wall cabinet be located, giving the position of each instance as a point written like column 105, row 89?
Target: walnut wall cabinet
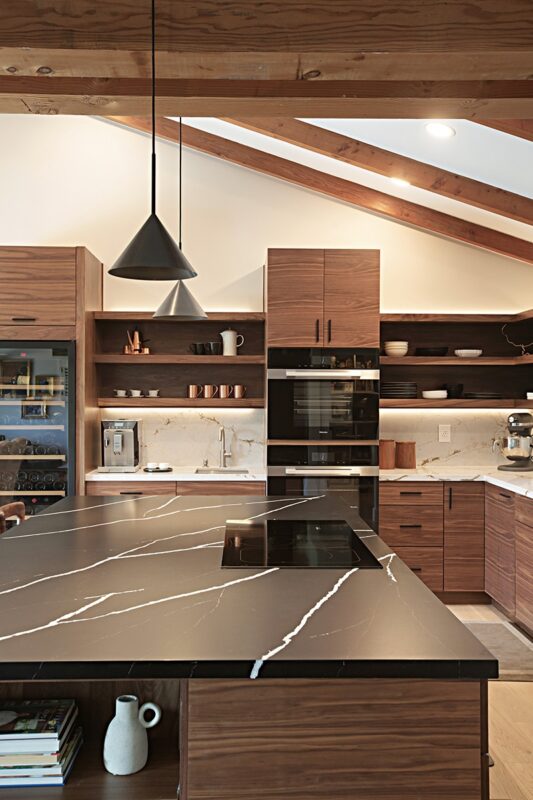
column 323, row 298
column 438, row 530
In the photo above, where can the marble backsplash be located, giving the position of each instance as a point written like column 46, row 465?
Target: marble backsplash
column 186, row 437
column 472, row 433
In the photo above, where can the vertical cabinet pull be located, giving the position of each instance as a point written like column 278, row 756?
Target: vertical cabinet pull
column 317, row 330
column 450, row 497
column 329, row 330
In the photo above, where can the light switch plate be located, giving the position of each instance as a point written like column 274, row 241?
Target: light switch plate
column 445, row 433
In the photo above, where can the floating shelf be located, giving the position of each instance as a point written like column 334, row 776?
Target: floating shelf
column 39, row 493
column 180, row 402
column 32, row 427
column 212, row 316
column 22, row 387
column 14, row 401
column 473, row 318
column 452, row 361
column 453, row 403
column 22, row 457
column 162, row 358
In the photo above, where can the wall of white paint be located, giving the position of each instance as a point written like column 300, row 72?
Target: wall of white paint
column 78, row 180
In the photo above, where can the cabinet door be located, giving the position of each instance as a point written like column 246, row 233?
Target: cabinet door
column 295, row 298
column 351, row 298
column 464, row 537
column 38, row 286
column 524, row 562
column 500, row 547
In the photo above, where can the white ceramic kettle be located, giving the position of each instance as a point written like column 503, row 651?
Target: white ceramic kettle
column 126, row 742
column 230, row 342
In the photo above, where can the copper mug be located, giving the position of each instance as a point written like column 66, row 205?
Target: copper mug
column 194, row 390
column 226, row 390
column 210, row 390
column 239, row 391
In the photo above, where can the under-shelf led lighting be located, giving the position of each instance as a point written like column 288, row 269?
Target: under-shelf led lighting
column 440, row 130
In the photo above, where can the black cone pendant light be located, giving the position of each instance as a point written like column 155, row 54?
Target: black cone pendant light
column 153, row 255
column 180, row 304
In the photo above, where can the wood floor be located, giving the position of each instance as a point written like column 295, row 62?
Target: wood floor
column 511, row 723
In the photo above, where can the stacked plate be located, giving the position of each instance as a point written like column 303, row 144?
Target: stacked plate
column 399, row 390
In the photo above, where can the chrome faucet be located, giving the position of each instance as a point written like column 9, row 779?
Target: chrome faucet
column 224, row 454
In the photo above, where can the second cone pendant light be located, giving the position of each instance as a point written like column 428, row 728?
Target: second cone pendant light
column 153, row 255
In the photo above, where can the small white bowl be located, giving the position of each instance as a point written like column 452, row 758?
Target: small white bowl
column 435, row 394
column 164, row 465
column 529, row 395
column 152, row 465
column 396, row 348
column 468, row 353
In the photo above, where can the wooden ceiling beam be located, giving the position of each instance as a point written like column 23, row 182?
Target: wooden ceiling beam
column 361, row 196
column 392, row 165
column 523, row 128
column 246, row 98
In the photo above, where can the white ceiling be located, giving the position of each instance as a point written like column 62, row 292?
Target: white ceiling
column 452, row 154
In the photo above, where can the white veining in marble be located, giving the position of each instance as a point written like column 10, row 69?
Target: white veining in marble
column 520, row 483
column 188, row 436
column 472, row 434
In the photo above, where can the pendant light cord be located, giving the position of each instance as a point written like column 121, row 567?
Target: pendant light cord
column 153, row 107
column 180, row 160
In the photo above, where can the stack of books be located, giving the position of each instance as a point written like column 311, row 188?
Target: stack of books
column 39, row 741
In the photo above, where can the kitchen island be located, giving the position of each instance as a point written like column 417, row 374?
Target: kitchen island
column 292, row 682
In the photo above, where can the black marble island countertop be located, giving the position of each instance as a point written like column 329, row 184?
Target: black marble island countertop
column 114, row 588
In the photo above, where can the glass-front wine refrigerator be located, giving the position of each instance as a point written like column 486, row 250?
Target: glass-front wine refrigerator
column 37, row 422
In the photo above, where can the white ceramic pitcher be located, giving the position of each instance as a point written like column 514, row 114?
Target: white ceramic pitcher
column 230, row 342
column 126, row 740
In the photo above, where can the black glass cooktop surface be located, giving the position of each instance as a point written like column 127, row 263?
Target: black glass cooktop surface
column 296, row 544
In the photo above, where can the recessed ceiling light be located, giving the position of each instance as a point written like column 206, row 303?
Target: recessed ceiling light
column 400, row 182
column 440, row 130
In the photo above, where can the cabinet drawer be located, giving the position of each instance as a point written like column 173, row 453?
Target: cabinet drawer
column 133, row 488
column 524, row 575
column 392, row 493
column 524, row 511
column 411, row 525
column 210, row 488
column 426, row 563
column 38, row 286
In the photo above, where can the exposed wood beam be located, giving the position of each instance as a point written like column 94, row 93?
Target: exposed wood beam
column 523, row 128
column 393, row 165
column 301, row 98
column 340, row 189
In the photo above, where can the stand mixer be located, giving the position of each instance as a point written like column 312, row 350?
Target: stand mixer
column 518, row 445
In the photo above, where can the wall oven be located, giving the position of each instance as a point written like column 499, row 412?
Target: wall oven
column 323, row 394
column 350, row 472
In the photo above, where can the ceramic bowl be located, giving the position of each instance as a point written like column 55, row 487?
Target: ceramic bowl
column 468, row 353
column 396, row 348
column 435, row 394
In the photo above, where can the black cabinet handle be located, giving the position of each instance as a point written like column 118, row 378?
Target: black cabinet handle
column 317, row 330
column 450, row 497
column 507, row 496
column 131, row 492
column 23, row 319
column 415, row 569
column 329, row 330
column 411, row 493
column 410, row 526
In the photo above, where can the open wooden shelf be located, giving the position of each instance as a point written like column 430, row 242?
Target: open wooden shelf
column 180, row 402
column 212, row 316
column 461, row 318
column 21, row 426
column 89, row 780
column 169, row 358
column 453, row 403
column 22, row 457
column 15, row 401
column 32, row 493
column 448, row 361
column 23, row 387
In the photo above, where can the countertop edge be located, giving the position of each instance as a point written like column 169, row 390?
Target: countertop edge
column 188, row 475
column 519, row 483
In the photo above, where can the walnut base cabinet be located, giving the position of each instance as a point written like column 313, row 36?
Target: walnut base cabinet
column 147, row 488
column 500, row 549
column 323, row 298
column 464, row 536
column 524, row 563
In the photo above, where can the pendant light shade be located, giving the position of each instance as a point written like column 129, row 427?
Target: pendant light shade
column 180, row 305
column 153, row 255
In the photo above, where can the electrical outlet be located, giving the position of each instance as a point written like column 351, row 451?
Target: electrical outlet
column 445, row 433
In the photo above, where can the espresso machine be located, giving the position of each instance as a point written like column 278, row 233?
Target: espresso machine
column 518, row 445
column 120, row 445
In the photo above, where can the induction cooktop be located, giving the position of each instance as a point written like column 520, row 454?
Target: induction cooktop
column 296, row 544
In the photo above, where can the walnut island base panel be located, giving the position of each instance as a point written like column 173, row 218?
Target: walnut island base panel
column 293, row 683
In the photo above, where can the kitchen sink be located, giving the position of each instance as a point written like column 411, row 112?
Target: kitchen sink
column 220, row 471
